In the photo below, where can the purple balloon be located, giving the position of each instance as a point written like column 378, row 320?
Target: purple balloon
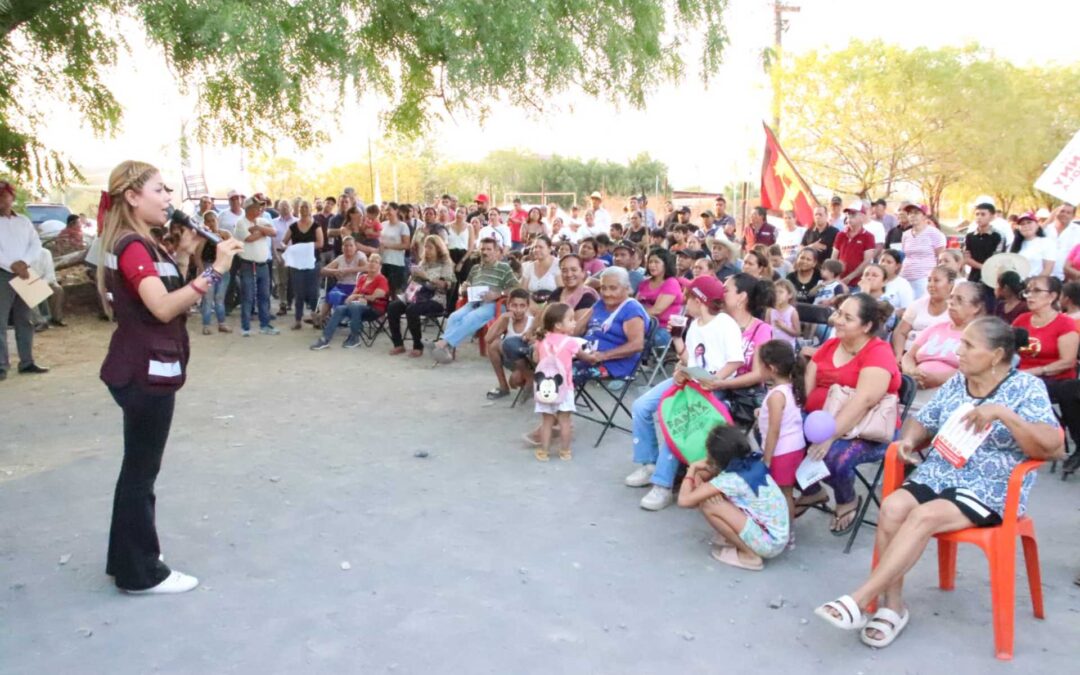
column 819, row 426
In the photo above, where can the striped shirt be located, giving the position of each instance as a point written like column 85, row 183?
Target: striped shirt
column 496, row 277
column 919, row 252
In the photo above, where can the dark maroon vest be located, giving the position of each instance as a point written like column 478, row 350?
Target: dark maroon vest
column 143, row 350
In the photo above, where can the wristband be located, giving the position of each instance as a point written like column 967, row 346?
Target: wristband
column 197, row 289
column 212, row 276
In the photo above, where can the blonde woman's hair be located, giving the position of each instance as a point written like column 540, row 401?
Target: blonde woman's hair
column 441, row 252
column 120, row 218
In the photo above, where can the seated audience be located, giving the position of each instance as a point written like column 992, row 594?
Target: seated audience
column 1052, row 348
column 367, row 302
column 425, row 295
column 491, row 274
column 541, row 273
column 926, row 311
column 746, row 299
column 343, row 272
column 857, row 359
column 830, row 288
column 1010, row 297
column 660, row 292
column 898, row 291
column 513, row 325
column 712, row 342
column 614, row 332
column 932, row 359
column 938, row 497
column 805, row 277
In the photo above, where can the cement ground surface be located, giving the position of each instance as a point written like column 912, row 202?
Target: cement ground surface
column 284, row 464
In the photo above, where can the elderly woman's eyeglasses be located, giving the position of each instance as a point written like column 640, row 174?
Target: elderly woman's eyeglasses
column 1032, row 291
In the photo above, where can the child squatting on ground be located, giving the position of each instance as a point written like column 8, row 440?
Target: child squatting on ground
column 553, row 384
column 739, row 499
column 780, row 419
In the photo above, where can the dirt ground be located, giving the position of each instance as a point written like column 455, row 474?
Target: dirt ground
column 284, row 465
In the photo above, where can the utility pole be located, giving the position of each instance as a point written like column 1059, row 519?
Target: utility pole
column 780, row 24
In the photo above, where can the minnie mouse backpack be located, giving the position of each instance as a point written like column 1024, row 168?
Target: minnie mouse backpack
column 551, row 381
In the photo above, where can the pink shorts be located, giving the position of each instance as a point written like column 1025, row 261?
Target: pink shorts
column 783, row 467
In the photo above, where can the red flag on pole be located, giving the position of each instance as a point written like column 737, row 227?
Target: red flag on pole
column 782, row 188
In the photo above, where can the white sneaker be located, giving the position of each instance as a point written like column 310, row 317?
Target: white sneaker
column 659, row 498
column 176, row 582
column 641, row 477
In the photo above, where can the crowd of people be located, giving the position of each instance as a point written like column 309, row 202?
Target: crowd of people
column 774, row 321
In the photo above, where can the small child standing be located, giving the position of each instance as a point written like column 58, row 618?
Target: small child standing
column 780, row 422
column 783, row 316
column 739, row 499
column 553, row 388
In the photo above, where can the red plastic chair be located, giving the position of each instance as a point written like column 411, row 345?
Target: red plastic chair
column 999, row 545
column 481, row 335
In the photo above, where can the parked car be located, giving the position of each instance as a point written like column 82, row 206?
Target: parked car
column 39, row 213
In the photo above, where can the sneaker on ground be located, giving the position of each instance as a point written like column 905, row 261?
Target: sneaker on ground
column 321, row 343
column 176, row 582
column 659, row 498
column 351, row 342
column 269, row 330
column 642, row 476
column 245, row 333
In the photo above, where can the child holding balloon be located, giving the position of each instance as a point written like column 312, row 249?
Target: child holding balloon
column 780, row 420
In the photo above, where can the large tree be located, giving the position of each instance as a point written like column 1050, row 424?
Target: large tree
column 874, row 118
column 422, row 58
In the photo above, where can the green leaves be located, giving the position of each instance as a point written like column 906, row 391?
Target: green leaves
column 257, row 65
column 873, row 119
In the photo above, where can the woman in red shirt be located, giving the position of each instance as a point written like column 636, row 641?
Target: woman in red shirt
column 367, row 303
column 147, row 360
column 855, row 358
column 1051, row 352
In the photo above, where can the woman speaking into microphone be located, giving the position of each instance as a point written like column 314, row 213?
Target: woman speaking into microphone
column 143, row 288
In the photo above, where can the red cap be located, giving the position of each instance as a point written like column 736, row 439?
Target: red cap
column 918, row 207
column 482, row 198
column 7, row 187
column 707, row 288
column 1027, row 216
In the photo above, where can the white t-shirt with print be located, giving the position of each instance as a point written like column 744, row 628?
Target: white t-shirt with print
column 790, row 242
column 715, row 344
column 899, row 293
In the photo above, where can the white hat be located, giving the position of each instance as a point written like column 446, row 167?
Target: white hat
column 858, row 206
column 596, row 195
column 234, row 193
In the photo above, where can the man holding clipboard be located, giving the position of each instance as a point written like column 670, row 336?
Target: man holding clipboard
column 488, row 283
column 19, row 245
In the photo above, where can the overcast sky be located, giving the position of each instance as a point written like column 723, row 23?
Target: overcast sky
column 707, row 136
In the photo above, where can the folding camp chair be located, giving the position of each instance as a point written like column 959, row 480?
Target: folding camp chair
column 614, row 388
column 370, row 330
column 907, row 398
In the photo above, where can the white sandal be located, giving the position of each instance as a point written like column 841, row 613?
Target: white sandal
column 851, row 617
column 886, row 622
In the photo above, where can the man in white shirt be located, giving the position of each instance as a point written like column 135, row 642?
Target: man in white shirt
column 601, row 218
column 1067, row 232
column 281, row 272
column 257, row 235
column 227, row 219
column 20, row 247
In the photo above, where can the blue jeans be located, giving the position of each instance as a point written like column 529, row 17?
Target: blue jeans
column 254, row 287
column 214, row 301
column 466, row 321
column 661, row 337
column 357, row 314
column 649, row 445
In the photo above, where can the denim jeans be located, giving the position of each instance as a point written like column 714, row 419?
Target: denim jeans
column 10, row 302
column 214, row 301
column 357, row 314
column 466, row 321
column 649, row 445
column 254, row 288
